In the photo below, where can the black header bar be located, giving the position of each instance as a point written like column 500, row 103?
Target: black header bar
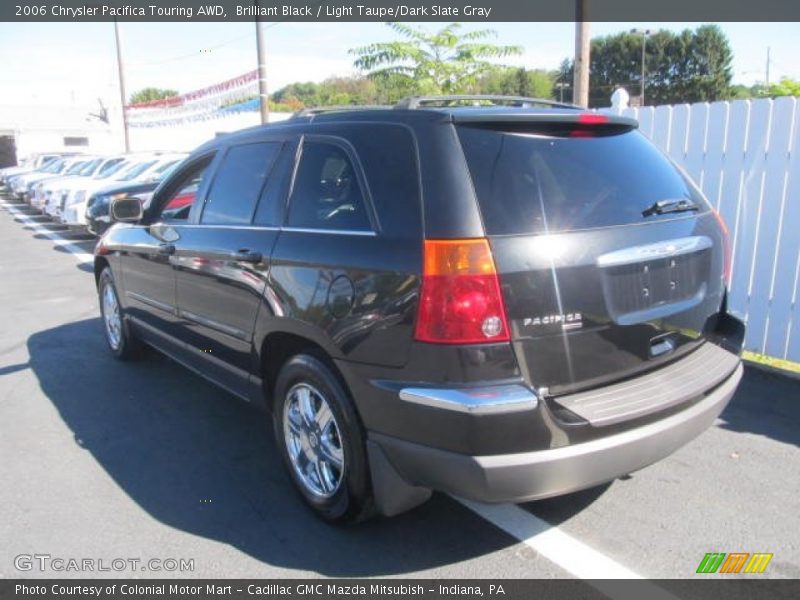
column 398, row 10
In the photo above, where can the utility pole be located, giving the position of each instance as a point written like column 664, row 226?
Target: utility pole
column 644, row 33
column 122, row 94
column 767, row 80
column 262, row 69
column 582, row 41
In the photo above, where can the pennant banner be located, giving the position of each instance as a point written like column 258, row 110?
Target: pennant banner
column 212, row 102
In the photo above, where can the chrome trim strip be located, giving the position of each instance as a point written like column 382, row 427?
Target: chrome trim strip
column 216, row 325
column 168, row 308
column 475, row 400
column 665, row 249
column 369, row 233
column 330, row 231
column 231, row 226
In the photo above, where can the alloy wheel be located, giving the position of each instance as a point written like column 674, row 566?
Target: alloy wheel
column 313, row 440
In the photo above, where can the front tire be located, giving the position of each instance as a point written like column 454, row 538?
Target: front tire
column 322, row 441
column 121, row 341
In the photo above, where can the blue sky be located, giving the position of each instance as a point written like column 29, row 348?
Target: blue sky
column 51, row 63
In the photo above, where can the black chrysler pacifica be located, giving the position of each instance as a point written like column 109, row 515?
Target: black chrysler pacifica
column 500, row 298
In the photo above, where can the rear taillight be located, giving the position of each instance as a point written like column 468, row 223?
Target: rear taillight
column 460, row 300
column 726, row 242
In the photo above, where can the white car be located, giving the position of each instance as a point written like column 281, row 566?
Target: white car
column 49, row 194
column 22, row 184
column 74, row 213
column 42, row 188
column 33, row 162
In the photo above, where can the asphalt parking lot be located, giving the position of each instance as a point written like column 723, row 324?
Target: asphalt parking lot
column 107, row 460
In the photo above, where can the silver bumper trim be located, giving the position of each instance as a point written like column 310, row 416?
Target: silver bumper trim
column 474, row 400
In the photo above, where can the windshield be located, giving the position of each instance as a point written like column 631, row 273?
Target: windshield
column 115, row 168
column 163, row 170
column 137, row 170
column 54, row 166
column 89, row 167
column 75, row 168
column 528, row 183
column 110, row 167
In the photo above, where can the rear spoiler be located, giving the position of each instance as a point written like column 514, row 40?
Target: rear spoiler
column 578, row 118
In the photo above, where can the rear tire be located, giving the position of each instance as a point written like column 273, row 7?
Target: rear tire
column 322, row 441
column 120, row 339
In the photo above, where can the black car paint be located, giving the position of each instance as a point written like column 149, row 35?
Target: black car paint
column 353, row 295
column 97, row 207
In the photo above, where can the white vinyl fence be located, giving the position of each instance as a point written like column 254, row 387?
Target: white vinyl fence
column 745, row 157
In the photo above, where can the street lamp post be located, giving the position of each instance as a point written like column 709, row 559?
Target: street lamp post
column 644, row 33
column 561, row 84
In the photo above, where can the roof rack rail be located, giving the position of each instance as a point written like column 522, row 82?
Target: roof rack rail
column 415, row 102
column 310, row 112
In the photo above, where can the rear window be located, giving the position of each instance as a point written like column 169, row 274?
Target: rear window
column 532, row 183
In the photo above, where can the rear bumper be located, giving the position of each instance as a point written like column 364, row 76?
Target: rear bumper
column 543, row 473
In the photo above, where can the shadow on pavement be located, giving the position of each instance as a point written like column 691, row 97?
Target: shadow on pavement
column 765, row 404
column 561, row 508
column 201, row 461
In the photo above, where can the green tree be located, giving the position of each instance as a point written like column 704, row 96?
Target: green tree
column 151, row 93
column 517, row 81
column 332, row 91
column 786, row 87
column 690, row 66
column 704, row 57
column 447, row 61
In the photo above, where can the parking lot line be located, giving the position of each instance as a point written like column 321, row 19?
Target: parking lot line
column 562, row 549
column 549, row 541
column 80, row 254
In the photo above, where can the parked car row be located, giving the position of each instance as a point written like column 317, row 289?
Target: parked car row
column 75, row 190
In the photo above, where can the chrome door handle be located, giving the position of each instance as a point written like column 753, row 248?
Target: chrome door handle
column 247, row 256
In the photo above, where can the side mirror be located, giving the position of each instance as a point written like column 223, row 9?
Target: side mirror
column 127, row 210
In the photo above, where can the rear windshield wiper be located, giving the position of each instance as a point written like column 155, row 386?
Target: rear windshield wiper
column 670, row 206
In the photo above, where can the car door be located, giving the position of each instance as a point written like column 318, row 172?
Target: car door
column 342, row 271
column 146, row 257
column 223, row 260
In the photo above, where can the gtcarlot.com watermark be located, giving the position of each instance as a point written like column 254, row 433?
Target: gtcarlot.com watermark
column 46, row 563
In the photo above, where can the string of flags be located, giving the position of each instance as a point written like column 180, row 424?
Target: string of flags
column 212, row 102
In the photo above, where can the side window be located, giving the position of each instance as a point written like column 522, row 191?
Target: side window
column 327, row 194
column 238, row 183
column 179, row 203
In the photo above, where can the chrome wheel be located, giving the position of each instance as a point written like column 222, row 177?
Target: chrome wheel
column 111, row 317
column 313, row 440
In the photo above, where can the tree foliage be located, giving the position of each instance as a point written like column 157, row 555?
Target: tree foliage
column 331, row 92
column 785, row 87
column 337, row 91
column 690, row 66
column 517, row 81
column 447, row 61
column 151, row 93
